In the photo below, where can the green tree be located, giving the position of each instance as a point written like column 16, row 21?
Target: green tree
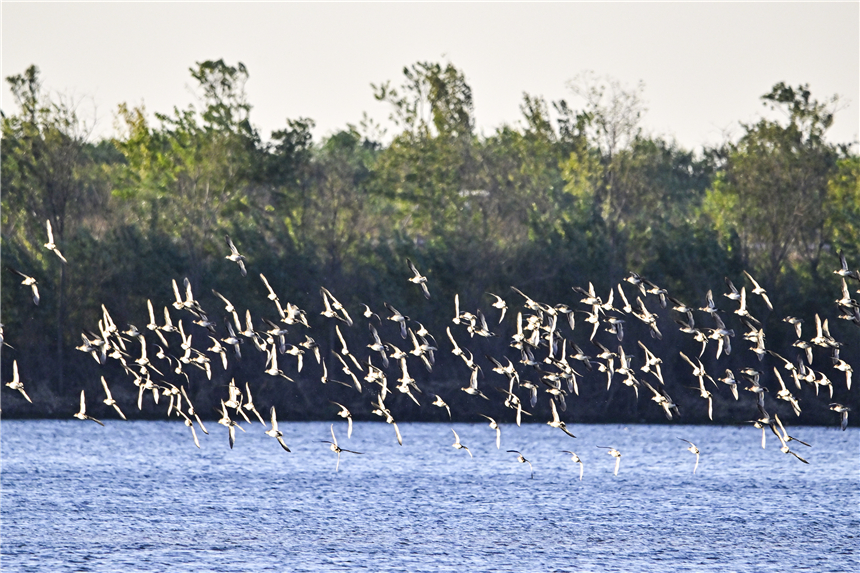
column 773, row 186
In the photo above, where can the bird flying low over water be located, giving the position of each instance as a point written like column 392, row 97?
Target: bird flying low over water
column 458, row 445
column 522, row 459
column 82, row 413
column 843, row 411
column 337, row 449
column 615, row 454
column 275, row 432
column 576, row 460
column 693, row 449
column 110, row 401
column 15, row 383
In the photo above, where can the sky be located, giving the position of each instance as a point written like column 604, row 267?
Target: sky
column 704, row 65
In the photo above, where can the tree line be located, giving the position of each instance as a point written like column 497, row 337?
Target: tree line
column 561, row 198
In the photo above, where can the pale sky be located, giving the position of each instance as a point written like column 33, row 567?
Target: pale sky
column 704, row 65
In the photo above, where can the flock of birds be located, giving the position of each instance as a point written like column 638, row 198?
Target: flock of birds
column 544, row 350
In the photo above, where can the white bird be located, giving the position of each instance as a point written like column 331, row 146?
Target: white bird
column 50, row 244
column 615, row 454
column 693, row 449
column 110, row 401
column 501, row 305
column 759, row 291
column 187, row 421
column 16, row 383
column 495, row 426
column 344, row 413
column 30, row 282
column 249, row 404
column 843, row 410
column 576, row 460
column 556, row 421
column 275, row 432
column 229, row 424
column 439, row 402
column 235, row 256
column 419, row 280
column 522, row 459
column 82, row 414
column 458, row 445
column 337, row 449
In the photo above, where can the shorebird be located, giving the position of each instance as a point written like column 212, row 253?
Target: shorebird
column 785, row 394
column 729, row 379
column 348, row 371
column 499, row 304
column 843, row 410
column 228, row 423
column 844, row 272
column 556, row 421
column 419, row 280
column 797, row 323
column 785, row 438
column 495, row 426
column 381, row 410
column 576, row 460
column 472, row 388
column 332, row 303
column 615, row 454
column 82, row 413
column 337, row 449
column 344, row 413
column 460, row 446
column 398, row 318
column 235, row 256
column 693, row 449
column 191, row 411
column 275, row 432
column 759, row 291
column 249, row 404
column 187, row 421
column 439, row 402
column 16, row 383
column 843, row 366
column 110, row 401
column 784, row 448
column 377, row 345
column 30, row 282
column 522, row 459
column 50, row 244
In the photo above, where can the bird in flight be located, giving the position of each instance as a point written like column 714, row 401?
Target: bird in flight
column 522, row 459
column 576, row 460
column 82, row 413
column 275, row 432
column 458, row 445
column 235, row 256
column 495, row 426
column 337, row 449
column 30, row 282
column 16, row 383
column 50, row 245
column 615, row 454
column 419, row 280
column 692, row 449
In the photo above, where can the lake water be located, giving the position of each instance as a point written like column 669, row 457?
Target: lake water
column 138, row 496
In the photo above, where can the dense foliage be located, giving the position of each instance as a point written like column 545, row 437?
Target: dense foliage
column 559, row 199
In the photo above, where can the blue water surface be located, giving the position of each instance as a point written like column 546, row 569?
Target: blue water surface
column 138, row 496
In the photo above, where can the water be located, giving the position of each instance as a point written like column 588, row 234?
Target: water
column 138, row 496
